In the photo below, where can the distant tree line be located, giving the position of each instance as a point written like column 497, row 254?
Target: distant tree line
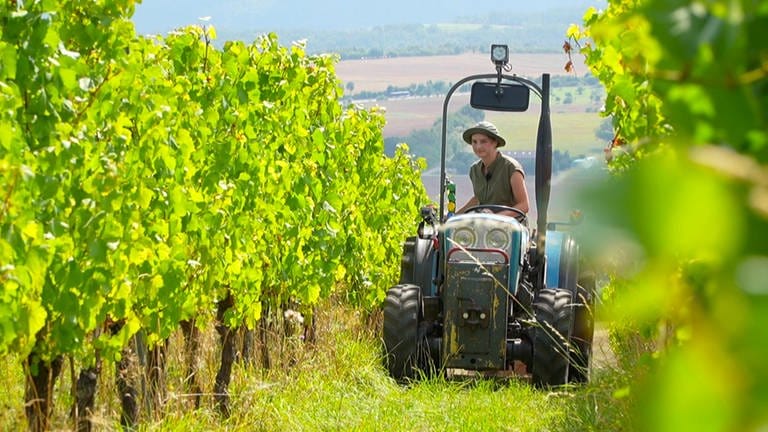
column 429, row 40
column 529, row 32
column 427, row 143
column 430, row 88
column 438, row 88
column 543, row 34
column 561, row 160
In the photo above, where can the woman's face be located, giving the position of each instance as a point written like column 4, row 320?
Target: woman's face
column 483, row 145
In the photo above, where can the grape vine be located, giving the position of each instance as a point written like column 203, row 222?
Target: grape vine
column 146, row 178
column 686, row 89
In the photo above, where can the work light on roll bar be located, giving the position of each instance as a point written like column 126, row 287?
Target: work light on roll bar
column 499, row 55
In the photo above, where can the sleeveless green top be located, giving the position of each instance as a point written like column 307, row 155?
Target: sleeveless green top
column 494, row 187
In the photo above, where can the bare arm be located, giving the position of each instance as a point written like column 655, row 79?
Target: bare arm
column 517, row 181
column 471, row 203
column 520, row 192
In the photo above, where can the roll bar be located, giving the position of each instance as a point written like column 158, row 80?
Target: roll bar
column 543, row 149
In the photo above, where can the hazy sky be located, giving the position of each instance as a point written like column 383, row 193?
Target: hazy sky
column 160, row 16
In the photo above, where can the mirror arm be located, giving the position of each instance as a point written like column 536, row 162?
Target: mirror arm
column 499, row 90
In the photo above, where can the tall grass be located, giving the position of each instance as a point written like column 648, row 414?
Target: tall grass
column 339, row 383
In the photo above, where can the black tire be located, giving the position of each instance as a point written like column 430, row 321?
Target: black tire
column 553, row 310
column 583, row 329
column 577, row 278
column 417, row 263
column 405, row 342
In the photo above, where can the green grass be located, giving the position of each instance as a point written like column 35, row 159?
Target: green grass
column 571, row 131
column 573, row 124
column 339, row 384
column 11, row 397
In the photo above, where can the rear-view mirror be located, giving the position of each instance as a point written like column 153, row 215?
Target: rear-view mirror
column 499, row 97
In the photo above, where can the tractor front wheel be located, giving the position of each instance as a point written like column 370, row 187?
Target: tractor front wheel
column 405, row 333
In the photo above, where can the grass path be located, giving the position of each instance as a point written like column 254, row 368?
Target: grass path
column 337, row 385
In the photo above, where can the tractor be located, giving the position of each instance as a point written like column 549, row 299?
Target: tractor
column 483, row 292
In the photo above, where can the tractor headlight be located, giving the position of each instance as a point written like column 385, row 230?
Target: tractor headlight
column 497, row 238
column 465, row 237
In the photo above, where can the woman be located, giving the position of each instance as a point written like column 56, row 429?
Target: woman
column 496, row 178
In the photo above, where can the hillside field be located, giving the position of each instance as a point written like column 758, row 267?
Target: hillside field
column 573, row 132
column 573, row 124
column 378, row 74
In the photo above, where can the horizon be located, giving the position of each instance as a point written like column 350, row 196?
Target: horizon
column 231, row 17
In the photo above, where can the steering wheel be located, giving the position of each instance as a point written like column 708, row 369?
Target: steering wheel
column 522, row 217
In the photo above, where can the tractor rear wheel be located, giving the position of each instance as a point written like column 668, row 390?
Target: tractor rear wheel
column 405, row 333
column 553, row 310
column 583, row 328
column 578, row 278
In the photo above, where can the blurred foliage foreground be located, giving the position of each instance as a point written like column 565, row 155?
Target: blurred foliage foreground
column 683, row 220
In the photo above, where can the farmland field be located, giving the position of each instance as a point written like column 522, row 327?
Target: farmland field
column 572, row 130
column 573, row 124
column 378, row 74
